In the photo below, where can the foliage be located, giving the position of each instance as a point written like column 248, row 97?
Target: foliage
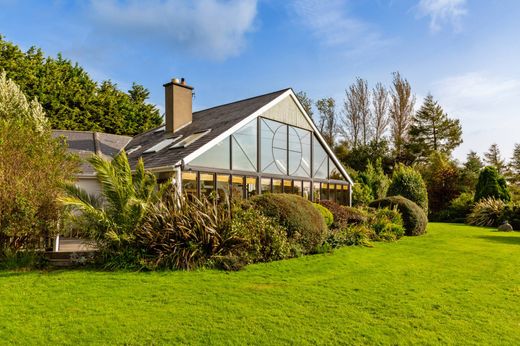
column 357, row 119
column 33, row 167
column 303, row 222
column 493, row 158
column 414, row 218
column 470, row 172
column 408, row 182
column 327, row 215
column 306, row 102
column 71, row 99
column 343, row 214
column 402, row 102
column 491, row 185
column 441, row 176
column 458, row 209
column 21, row 260
column 351, row 235
column 359, row 157
column 514, row 165
column 487, row 212
column 512, row 215
column 432, row 131
column 361, row 194
column 126, row 198
column 327, row 121
column 376, row 179
column 387, row 224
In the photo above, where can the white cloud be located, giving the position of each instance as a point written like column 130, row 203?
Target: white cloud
column 332, row 24
column 487, row 107
column 441, row 12
column 212, row 29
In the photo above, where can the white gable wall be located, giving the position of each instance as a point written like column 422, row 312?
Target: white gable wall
column 286, row 111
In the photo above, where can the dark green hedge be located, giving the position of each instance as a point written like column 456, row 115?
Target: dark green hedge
column 414, row 217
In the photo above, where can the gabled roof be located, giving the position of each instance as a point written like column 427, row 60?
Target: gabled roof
column 218, row 119
column 86, row 143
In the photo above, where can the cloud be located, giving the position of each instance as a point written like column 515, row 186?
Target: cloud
column 332, row 24
column 441, row 12
column 487, row 107
column 212, row 29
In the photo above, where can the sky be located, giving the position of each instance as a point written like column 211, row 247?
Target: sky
column 464, row 52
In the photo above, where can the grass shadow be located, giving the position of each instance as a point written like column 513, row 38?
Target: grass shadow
column 501, row 239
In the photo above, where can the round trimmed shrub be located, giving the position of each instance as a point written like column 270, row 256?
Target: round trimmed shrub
column 407, row 182
column 343, row 214
column 304, row 223
column 414, row 217
column 327, row 215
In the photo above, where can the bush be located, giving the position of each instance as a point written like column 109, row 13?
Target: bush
column 343, row 214
column 414, row 218
column 387, row 224
column 351, row 235
column 327, row 215
column 487, row 212
column 361, row 194
column 265, row 239
column 491, row 185
column 512, row 214
column 407, row 182
column 304, row 223
column 460, row 207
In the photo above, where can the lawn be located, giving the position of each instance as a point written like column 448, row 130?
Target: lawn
column 455, row 285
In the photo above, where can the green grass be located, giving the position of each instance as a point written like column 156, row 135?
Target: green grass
column 455, row 285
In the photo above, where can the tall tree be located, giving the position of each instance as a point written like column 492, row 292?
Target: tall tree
column 470, row 171
column 493, row 158
column 328, row 122
column 432, row 131
column 358, row 116
column 401, row 113
column 514, row 164
column 71, row 99
column 380, row 105
column 306, row 102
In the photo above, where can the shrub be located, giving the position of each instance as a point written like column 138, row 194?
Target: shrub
column 487, row 212
column 351, row 235
column 304, row 223
column 414, row 218
column 512, row 214
column 376, row 179
column 460, row 207
column 265, row 239
column 361, row 194
column 387, row 224
column 327, row 215
column 407, row 182
column 343, row 214
column 491, row 185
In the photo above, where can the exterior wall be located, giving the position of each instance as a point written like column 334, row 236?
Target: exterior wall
column 90, row 185
column 286, row 111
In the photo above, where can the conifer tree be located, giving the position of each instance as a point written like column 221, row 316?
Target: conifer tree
column 494, row 158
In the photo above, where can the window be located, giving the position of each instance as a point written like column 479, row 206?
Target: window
column 222, row 188
column 299, row 152
column 189, row 182
column 159, row 129
column 265, row 185
column 342, row 195
column 216, row 157
column 307, row 190
column 190, row 139
column 273, row 141
column 277, row 186
column 320, row 169
column 316, row 192
column 334, row 172
column 237, row 187
column 250, row 187
column 161, row 145
column 324, row 191
column 332, row 192
column 244, row 147
column 133, row 150
column 297, row 187
column 287, row 186
column 207, row 184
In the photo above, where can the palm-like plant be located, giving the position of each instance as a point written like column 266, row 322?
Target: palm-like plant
column 111, row 218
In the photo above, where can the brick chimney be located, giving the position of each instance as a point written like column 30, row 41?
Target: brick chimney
column 178, row 104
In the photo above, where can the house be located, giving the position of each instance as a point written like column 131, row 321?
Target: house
column 266, row 143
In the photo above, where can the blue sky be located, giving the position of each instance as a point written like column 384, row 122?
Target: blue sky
column 464, row 52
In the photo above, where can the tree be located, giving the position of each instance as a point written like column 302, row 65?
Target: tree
column 470, row 172
column 358, row 158
column 375, row 178
column 491, row 185
column 380, row 119
column 328, row 122
column 514, row 164
column 408, row 182
column 33, row 168
column 358, row 116
column 432, row 131
column 401, row 113
column 71, row 99
column 306, row 102
column 493, row 158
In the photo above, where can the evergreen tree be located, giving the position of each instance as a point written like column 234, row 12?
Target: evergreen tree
column 470, row 171
column 491, row 185
column 493, row 158
column 432, row 131
column 514, row 165
column 71, row 99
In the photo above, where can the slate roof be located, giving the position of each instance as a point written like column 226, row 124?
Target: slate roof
column 219, row 119
column 87, row 143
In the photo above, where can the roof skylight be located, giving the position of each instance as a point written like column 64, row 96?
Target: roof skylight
column 160, row 129
column 190, row 139
column 161, row 145
column 132, row 150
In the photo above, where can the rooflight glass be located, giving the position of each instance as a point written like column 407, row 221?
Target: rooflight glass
column 132, row 150
column 161, row 145
column 190, row 139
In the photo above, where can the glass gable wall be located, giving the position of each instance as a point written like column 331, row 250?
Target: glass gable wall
column 279, row 158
